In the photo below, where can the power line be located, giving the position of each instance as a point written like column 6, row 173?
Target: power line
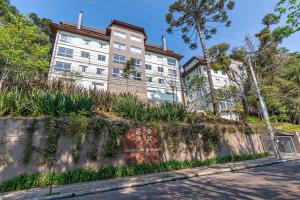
column 135, row 10
column 153, row 8
column 151, row 25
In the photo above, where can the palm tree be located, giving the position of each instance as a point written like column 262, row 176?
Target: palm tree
column 128, row 69
column 199, row 18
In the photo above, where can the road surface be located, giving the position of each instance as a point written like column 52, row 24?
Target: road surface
column 280, row 181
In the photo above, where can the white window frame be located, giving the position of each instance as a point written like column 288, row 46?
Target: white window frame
column 136, row 77
column 63, row 68
column 68, row 38
column 137, row 62
column 101, row 56
column 83, row 68
column 136, row 50
column 103, row 45
column 116, row 74
column 100, row 70
column 149, row 79
column 160, row 58
column 86, row 41
column 171, row 62
column 160, row 68
column 95, row 84
column 135, row 38
column 161, row 81
column 120, row 34
column 148, row 55
column 171, row 72
column 85, row 54
column 119, row 60
column 119, row 46
column 67, row 52
column 147, row 67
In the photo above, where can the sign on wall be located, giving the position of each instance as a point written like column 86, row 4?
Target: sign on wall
column 142, row 145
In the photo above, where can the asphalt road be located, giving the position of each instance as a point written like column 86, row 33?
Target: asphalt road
column 280, row 181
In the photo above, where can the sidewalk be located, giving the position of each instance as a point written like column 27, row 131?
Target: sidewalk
column 126, row 182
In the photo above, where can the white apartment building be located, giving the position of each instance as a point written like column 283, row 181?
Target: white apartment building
column 94, row 58
column 199, row 99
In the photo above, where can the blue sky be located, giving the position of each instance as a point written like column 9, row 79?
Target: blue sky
column 150, row 14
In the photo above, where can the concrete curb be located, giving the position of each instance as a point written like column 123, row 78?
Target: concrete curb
column 160, row 180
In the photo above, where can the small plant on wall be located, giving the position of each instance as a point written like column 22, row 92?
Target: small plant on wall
column 28, row 146
column 113, row 144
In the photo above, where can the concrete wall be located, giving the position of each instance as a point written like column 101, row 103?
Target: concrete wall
column 13, row 134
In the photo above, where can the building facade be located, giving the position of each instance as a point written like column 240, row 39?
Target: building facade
column 95, row 58
column 199, row 99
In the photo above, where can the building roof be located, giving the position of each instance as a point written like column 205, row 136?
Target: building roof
column 159, row 50
column 105, row 35
column 85, row 31
column 200, row 60
column 126, row 25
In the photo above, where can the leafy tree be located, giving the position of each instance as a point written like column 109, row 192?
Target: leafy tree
column 222, row 61
column 290, row 8
column 24, row 47
column 199, row 19
column 128, row 69
column 42, row 23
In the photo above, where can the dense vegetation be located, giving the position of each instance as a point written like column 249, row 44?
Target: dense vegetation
column 27, row 181
column 24, row 42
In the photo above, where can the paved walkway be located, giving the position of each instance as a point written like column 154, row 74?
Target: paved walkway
column 127, row 182
column 272, row 182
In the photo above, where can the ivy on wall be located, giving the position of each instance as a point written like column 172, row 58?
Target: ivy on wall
column 28, row 147
column 195, row 136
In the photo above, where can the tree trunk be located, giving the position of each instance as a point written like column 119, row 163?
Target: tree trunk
column 209, row 76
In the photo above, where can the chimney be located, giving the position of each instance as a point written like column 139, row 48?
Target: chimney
column 164, row 43
column 80, row 20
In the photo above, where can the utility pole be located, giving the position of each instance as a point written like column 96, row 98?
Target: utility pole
column 264, row 111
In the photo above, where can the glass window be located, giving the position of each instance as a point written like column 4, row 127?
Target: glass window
column 137, row 62
column 119, row 59
column 62, row 66
column 85, row 54
column 149, row 79
column 116, row 71
column 119, row 46
column 137, row 76
column 161, row 81
column 103, row 45
column 136, row 50
column 83, row 68
column 86, row 41
column 120, row 34
column 66, row 38
column 160, row 58
column 98, row 86
column 215, row 71
column 135, row 38
column 172, row 83
column 101, row 57
column 223, row 73
column 171, row 62
column 172, row 72
column 100, row 71
column 66, row 52
column 160, row 69
column 148, row 67
column 148, row 55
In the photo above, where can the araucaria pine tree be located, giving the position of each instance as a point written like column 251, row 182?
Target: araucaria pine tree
column 199, row 19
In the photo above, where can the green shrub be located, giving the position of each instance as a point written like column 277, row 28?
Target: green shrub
column 36, row 102
column 27, row 181
column 129, row 106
